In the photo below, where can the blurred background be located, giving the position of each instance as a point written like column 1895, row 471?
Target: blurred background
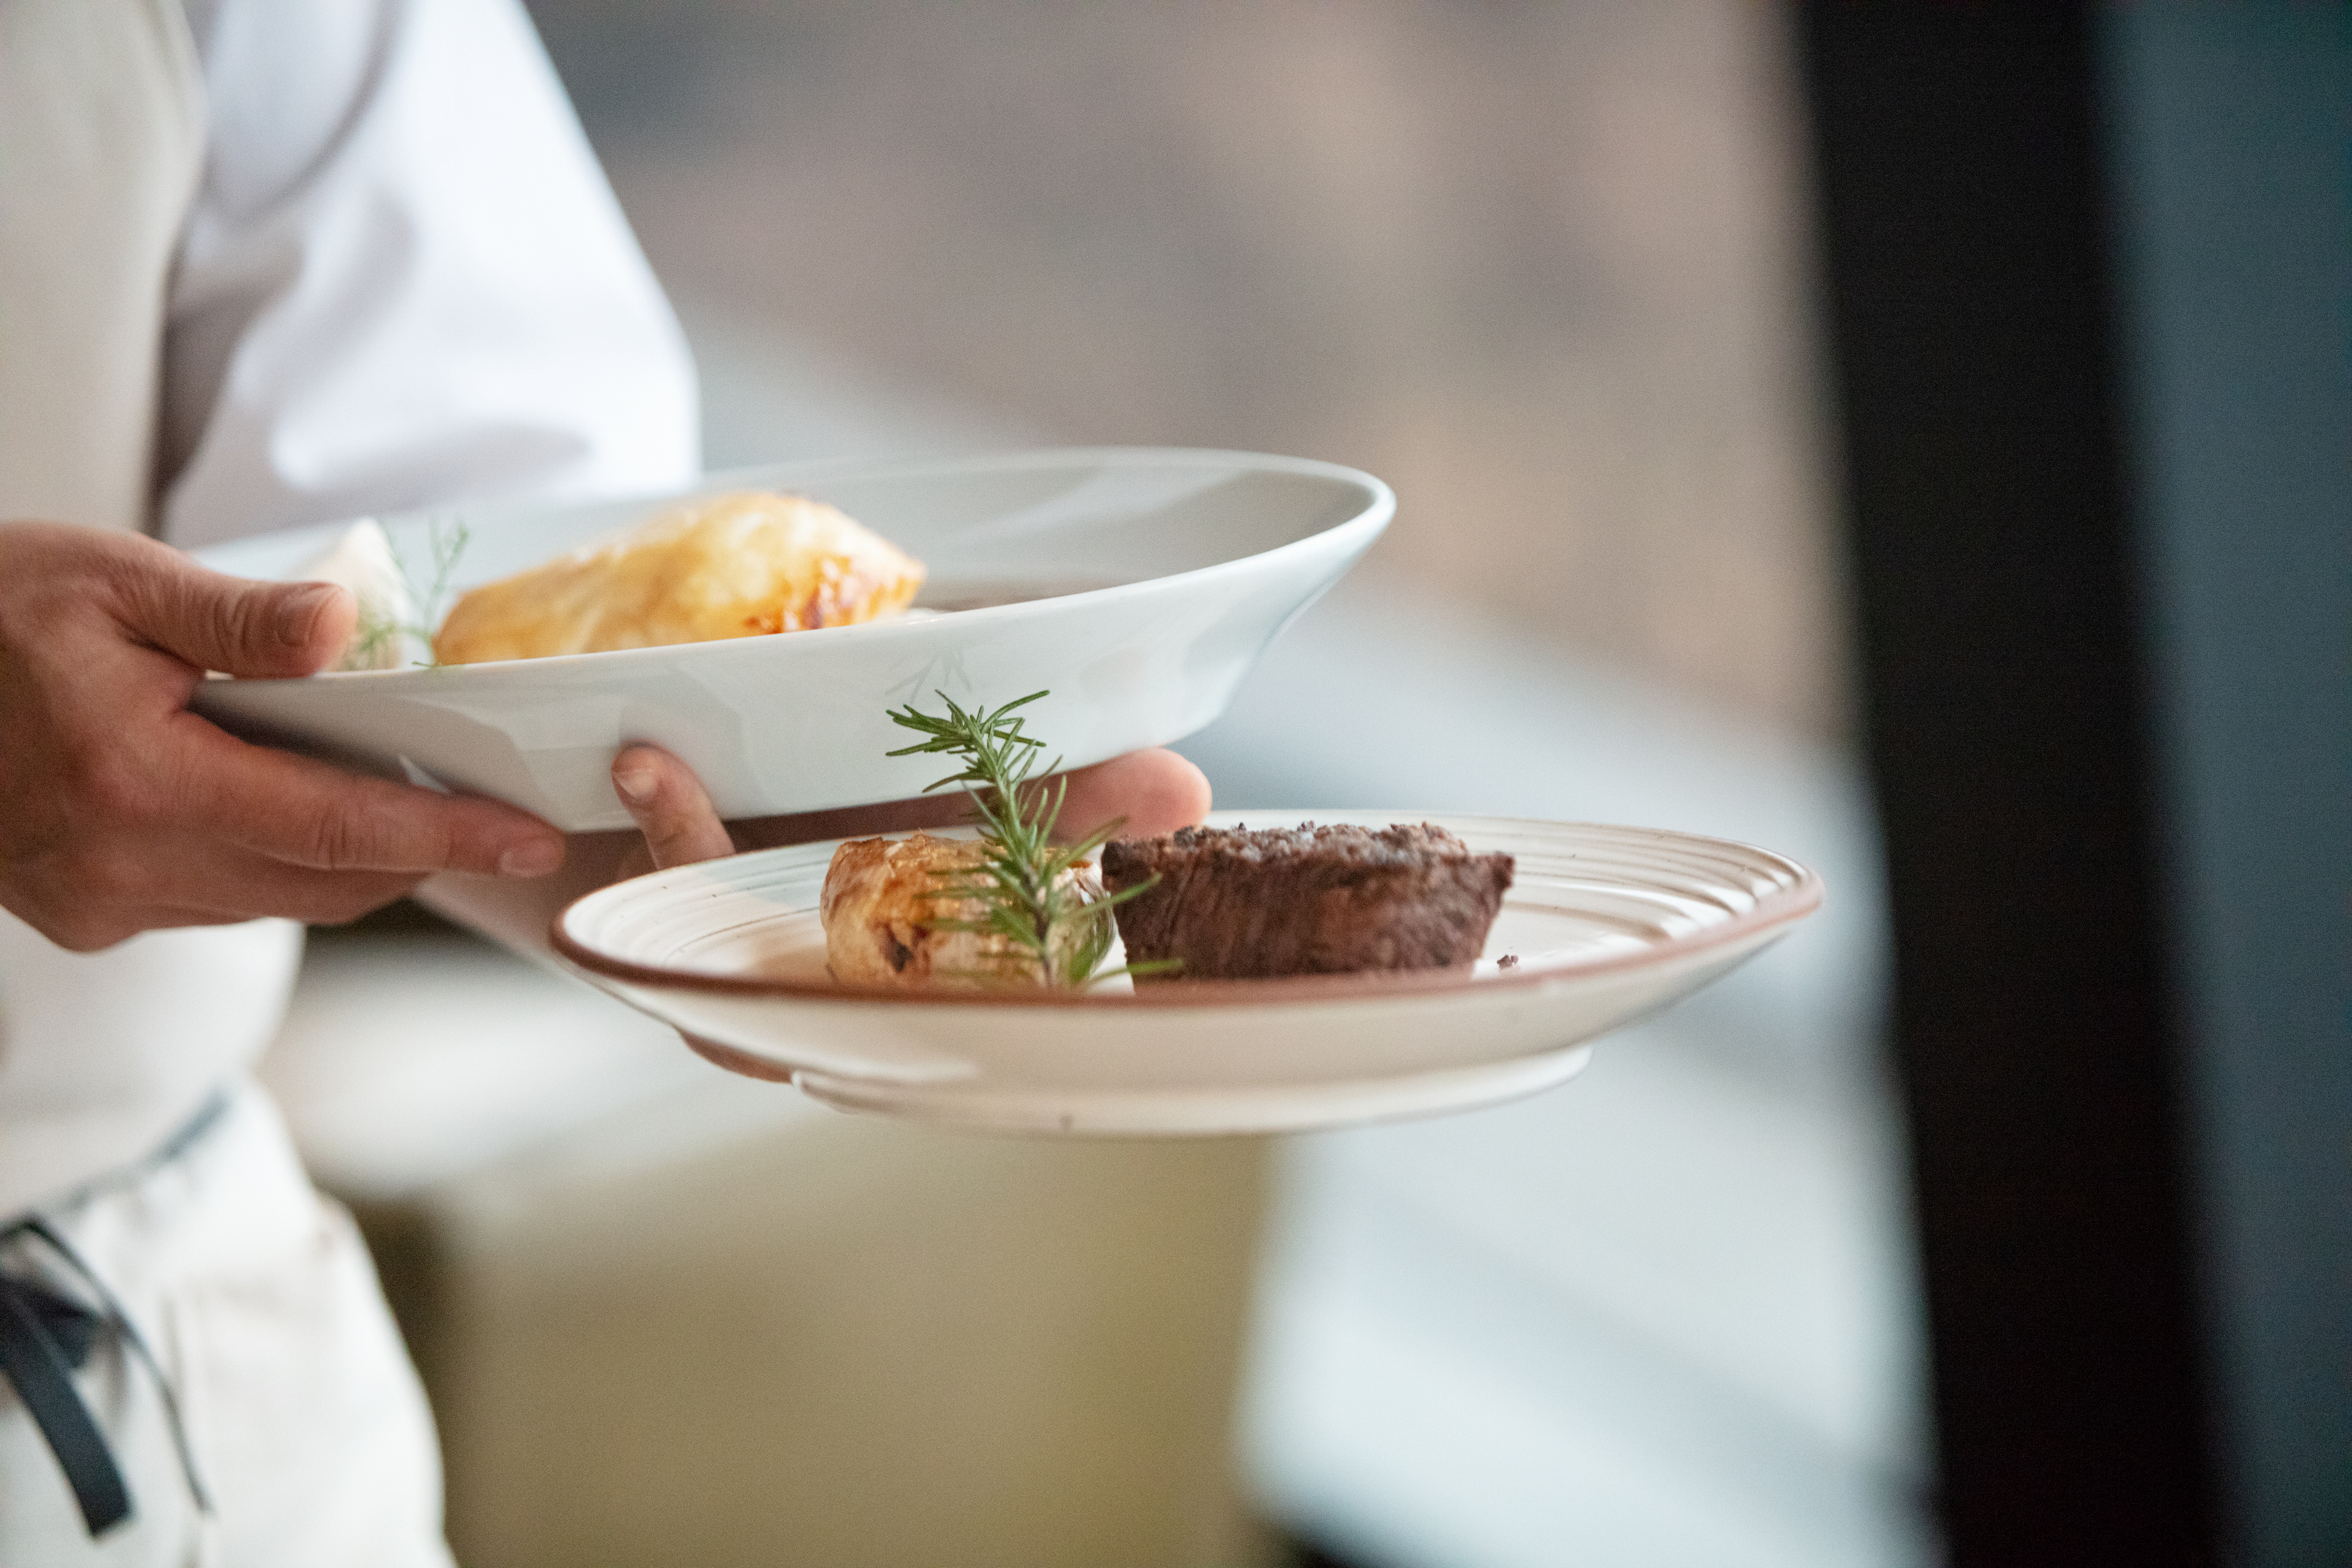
column 1553, row 271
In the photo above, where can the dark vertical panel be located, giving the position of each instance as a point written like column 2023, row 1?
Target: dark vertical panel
column 1964, row 241
column 2233, row 131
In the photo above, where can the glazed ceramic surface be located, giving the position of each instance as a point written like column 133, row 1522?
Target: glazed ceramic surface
column 1139, row 586
column 1601, row 926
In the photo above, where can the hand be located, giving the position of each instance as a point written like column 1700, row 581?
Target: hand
column 121, row 812
column 1157, row 791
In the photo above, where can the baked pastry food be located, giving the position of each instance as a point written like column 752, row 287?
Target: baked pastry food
column 883, row 916
column 1238, row 904
column 739, row 565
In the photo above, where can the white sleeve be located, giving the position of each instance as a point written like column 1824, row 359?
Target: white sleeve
column 405, row 280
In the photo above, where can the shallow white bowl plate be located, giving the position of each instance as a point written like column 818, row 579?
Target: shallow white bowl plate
column 1603, row 924
column 1139, row 586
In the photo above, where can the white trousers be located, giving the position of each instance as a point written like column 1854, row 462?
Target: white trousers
column 305, row 1419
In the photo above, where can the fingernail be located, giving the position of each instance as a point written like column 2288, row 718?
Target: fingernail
column 298, row 612
column 636, row 782
column 537, row 858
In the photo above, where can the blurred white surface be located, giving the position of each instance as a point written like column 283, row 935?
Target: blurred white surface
column 669, row 1315
column 408, row 1060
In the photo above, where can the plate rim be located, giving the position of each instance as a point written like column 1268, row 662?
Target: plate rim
column 1780, row 908
column 1193, row 1114
column 1378, row 512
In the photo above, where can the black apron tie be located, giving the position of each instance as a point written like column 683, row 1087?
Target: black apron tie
column 43, row 1337
column 46, row 1335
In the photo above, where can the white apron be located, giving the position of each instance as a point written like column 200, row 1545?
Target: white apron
column 304, row 1423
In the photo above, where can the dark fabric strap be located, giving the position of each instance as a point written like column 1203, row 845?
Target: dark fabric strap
column 45, row 1335
column 72, row 1327
column 42, row 1373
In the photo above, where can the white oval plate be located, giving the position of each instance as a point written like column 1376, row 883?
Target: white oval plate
column 1140, row 585
column 1602, row 926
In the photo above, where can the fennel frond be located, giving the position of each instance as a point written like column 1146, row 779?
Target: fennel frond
column 380, row 627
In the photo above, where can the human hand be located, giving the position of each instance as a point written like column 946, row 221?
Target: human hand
column 121, row 812
column 1156, row 790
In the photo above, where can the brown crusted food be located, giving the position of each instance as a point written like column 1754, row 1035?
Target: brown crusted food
column 1237, row 903
column 739, row 565
column 884, row 918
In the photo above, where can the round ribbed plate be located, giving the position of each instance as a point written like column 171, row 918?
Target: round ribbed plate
column 1601, row 926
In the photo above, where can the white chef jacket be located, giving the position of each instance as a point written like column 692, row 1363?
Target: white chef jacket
column 402, row 279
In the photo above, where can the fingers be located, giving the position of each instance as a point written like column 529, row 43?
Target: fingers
column 944, row 809
column 190, row 881
column 670, row 807
column 264, row 886
column 228, row 624
column 307, row 813
column 121, row 811
column 1157, row 791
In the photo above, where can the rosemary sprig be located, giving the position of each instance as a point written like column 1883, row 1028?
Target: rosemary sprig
column 380, row 628
column 1021, row 883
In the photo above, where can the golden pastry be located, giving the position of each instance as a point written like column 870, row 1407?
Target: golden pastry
column 884, row 918
column 739, row 565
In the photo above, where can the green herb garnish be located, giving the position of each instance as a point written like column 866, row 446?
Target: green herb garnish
column 1022, row 884
column 379, row 628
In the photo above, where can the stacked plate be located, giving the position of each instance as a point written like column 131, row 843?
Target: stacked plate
column 1139, row 587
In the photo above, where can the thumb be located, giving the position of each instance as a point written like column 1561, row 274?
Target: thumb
column 238, row 626
column 670, row 806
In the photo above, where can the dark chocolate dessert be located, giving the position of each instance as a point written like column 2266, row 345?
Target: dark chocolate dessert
column 1241, row 904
